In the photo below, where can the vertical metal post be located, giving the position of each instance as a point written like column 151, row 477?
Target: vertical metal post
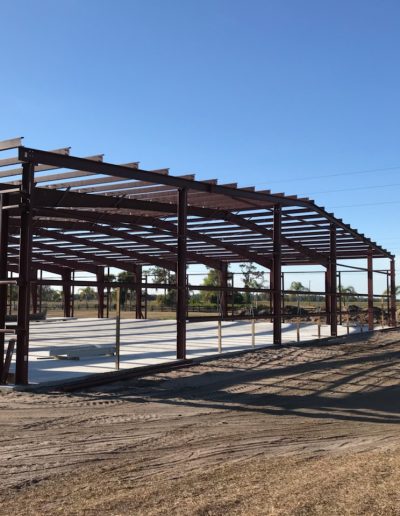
column 388, row 297
column 253, row 333
column 271, row 295
column 370, row 292
column 7, row 361
column 393, row 321
column 340, row 299
column 34, row 292
column 100, row 292
column 233, row 294
column 138, row 292
column 187, row 299
column 327, row 295
column 118, row 328
column 10, row 289
column 223, row 275
column 332, row 281
column 41, row 291
column 66, row 278
column 145, row 297
column 4, row 218
column 25, row 253
column 108, row 293
column 219, row 336
column 181, row 275
column 283, row 297
column 73, row 294
column 276, row 274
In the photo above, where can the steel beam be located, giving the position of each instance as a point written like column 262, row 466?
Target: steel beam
column 48, row 158
column 181, row 303
column 152, row 223
column 106, row 230
column 166, row 264
column 11, row 143
column 56, row 265
column 277, row 274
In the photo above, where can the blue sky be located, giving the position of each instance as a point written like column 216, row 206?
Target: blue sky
column 282, row 94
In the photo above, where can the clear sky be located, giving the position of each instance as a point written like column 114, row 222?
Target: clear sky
column 285, row 94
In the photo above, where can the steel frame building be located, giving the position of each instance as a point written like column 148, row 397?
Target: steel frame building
column 60, row 213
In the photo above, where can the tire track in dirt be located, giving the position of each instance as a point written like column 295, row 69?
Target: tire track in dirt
column 294, row 401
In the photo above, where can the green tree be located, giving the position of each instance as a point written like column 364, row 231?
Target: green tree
column 252, row 278
column 385, row 292
column 348, row 294
column 298, row 287
column 212, row 279
column 87, row 294
column 161, row 275
column 50, row 294
column 164, row 276
column 126, row 292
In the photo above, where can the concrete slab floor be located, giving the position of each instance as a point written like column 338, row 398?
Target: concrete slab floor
column 146, row 342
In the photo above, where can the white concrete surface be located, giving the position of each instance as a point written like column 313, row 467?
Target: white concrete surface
column 144, row 342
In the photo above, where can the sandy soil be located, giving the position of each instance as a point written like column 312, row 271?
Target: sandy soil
column 296, row 430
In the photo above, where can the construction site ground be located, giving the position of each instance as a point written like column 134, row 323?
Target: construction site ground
column 301, row 429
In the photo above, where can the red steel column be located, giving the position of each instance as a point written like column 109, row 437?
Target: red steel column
column 25, row 253
column 100, row 292
column 138, row 291
column 327, row 295
column 392, row 293
column 34, row 292
column 333, row 281
column 283, row 296
column 370, row 292
column 223, row 275
column 66, row 278
column 181, row 303
column 4, row 217
column 277, row 274
column 73, row 293
column 40, row 291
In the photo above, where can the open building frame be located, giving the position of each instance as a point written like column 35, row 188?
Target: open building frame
column 61, row 213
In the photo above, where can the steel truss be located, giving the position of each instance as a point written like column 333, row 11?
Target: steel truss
column 61, row 213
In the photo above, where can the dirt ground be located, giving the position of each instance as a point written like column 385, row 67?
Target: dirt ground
column 296, row 430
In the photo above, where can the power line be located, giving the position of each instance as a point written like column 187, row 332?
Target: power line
column 364, row 204
column 324, row 176
column 353, row 189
